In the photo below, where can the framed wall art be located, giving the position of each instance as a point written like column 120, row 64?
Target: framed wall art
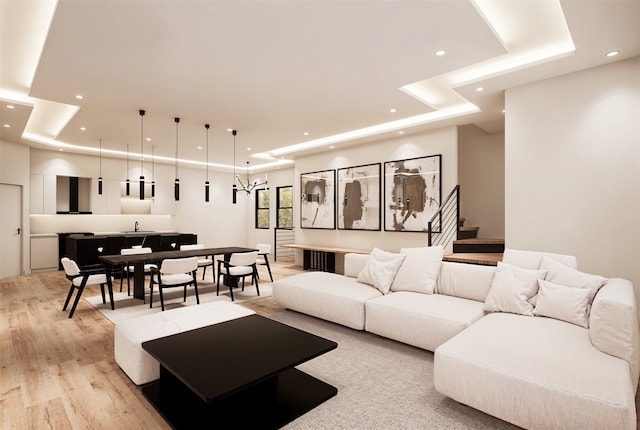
column 359, row 197
column 318, row 200
column 412, row 190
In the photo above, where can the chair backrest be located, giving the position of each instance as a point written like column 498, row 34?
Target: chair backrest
column 243, row 258
column 191, row 247
column 172, row 266
column 263, row 248
column 132, row 251
column 70, row 267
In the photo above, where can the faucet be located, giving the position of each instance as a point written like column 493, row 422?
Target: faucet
column 135, row 226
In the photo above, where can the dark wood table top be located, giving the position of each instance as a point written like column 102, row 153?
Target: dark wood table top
column 226, row 358
column 158, row 256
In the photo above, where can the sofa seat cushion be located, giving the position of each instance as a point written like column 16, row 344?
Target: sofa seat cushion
column 129, row 334
column 422, row 320
column 329, row 296
column 537, row 373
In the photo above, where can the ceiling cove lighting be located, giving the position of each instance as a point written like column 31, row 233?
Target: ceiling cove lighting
column 127, row 183
column 206, row 182
column 100, row 174
column 176, row 183
column 141, row 112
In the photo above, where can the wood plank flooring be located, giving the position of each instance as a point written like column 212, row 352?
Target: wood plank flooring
column 60, row 373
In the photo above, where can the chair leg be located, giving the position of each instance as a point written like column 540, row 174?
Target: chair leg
column 268, row 267
column 151, row 293
column 204, row 270
column 75, row 302
column 230, row 289
column 102, row 292
column 195, row 286
column 66, row 302
column 218, row 285
column 161, row 297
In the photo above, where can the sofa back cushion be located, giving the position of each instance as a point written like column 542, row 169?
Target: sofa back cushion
column 468, row 281
column 533, row 259
column 613, row 323
column 420, row 269
column 354, row 263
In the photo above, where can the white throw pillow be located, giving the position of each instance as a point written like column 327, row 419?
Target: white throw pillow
column 380, row 269
column 564, row 303
column 560, row 274
column 512, row 288
column 420, row 269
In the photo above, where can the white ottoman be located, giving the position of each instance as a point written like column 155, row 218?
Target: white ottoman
column 129, row 335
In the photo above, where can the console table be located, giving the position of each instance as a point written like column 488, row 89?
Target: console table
column 323, row 258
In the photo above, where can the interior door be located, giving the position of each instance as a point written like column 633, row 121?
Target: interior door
column 10, row 230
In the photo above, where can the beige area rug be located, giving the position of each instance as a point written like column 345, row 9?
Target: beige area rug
column 127, row 307
column 382, row 384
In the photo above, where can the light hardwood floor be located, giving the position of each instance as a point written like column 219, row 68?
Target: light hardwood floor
column 60, row 373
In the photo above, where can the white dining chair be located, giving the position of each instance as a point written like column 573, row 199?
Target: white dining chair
column 264, row 249
column 203, row 261
column 240, row 265
column 80, row 278
column 175, row 272
column 129, row 269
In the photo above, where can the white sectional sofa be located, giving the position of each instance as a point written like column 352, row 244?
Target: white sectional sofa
column 534, row 341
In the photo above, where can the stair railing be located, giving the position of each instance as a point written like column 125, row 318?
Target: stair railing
column 444, row 226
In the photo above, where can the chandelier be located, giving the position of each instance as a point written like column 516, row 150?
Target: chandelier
column 247, row 187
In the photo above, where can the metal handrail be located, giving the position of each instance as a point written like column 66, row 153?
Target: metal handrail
column 445, row 223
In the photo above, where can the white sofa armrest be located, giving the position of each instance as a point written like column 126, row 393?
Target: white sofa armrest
column 354, row 263
column 613, row 323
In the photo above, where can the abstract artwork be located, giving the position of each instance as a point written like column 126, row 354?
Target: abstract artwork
column 317, row 200
column 359, row 197
column 412, row 190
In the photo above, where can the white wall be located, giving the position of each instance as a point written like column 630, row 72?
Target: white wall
column 572, row 151
column 481, row 171
column 443, row 141
column 14, row 170
column 217, row 223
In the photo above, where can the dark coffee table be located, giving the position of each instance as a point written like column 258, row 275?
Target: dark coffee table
column 237, row 374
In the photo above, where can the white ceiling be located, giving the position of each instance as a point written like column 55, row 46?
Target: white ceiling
column 274, row 70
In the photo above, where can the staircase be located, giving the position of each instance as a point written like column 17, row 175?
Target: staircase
column 469, row 248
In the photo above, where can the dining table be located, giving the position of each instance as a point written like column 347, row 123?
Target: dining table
column 112, row 262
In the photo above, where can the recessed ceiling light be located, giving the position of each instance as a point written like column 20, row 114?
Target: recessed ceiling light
column 79, row 97
column 248, row 149
column 148, row 139
column 612, row 53
column 83, row 128
column 6, row 126
column 401, row 132
column 306, row 133
column 480, row 89
column 199, row 147
column 331, row 146
column 229, row 129
column 11, row 107
column 441, row 52
column 392, row 110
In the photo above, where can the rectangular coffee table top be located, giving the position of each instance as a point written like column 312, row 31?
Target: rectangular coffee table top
column 225, row 358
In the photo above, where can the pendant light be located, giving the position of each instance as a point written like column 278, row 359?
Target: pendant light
column 100, row 174
column 141, row 154
column 127, row 182
column 153, row 171
column 235, row 188
column 206, row 182
column 176, row 184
